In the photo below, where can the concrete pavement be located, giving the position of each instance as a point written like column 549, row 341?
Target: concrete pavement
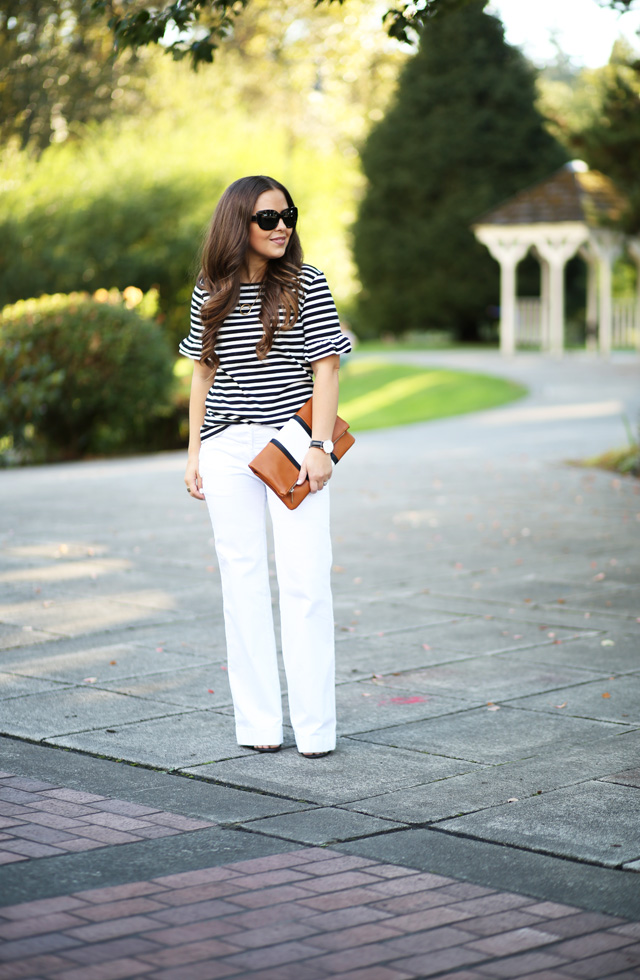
column 488, row 627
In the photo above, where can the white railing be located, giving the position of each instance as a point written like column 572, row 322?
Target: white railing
column 625, row 326
column 529, row 322
column 625, row 329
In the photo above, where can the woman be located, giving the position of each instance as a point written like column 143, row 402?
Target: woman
column 263, row 325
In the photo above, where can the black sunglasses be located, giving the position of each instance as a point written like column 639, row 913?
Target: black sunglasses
column 268, row 220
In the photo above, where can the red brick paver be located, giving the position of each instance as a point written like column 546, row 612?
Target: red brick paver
column 307, row 914
column 43, row 820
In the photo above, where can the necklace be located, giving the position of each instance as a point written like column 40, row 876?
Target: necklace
column 246, row 309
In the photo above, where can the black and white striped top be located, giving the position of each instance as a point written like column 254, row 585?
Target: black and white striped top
column 269, row 391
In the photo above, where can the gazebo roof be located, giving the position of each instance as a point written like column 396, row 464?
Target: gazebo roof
column 573, row 193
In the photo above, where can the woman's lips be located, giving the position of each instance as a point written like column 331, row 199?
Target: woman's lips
column 279, row 241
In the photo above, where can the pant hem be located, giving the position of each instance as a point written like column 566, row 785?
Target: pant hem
column 259, row 738
column 321, row 745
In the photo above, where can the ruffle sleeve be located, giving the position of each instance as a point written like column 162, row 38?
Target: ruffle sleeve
column 191, row 346
column 322, row 333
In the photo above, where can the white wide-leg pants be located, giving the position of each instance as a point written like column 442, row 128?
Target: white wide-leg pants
column 237, row 501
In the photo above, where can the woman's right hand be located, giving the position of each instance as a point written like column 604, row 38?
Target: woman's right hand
column 192, row 478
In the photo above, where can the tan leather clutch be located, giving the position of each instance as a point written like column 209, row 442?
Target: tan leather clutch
column 278, row 464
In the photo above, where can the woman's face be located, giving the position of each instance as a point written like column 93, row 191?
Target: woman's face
column 265, row 245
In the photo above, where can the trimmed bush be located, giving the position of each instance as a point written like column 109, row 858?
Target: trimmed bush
column 133, row 231
column 83, row 375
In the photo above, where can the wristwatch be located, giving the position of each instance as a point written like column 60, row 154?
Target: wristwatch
column 326, row 445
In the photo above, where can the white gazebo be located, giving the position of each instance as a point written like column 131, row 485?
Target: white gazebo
column 569, row 213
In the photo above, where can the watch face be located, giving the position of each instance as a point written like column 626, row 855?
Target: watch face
column 327, row 445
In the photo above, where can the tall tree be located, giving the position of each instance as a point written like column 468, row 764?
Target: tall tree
column 462, row 134
column 610, row 142
column 57, row 71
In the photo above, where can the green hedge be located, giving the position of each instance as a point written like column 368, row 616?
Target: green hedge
column 133, row 231
column 84, row 375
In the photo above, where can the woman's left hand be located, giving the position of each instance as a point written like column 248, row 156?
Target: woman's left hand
column 317, row 467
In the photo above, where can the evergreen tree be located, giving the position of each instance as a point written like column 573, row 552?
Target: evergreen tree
column 462, row 135
column 611, row 142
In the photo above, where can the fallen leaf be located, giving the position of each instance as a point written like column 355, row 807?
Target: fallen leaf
column 378, row 676
column 425, row 646
column 513, row 799
column 415, row 699
column 492, row 707
column 606, row 695
column 112, row 663
column 90, row 680
column 607, row 643
column 563, row 705
column 210, row 690
column 159, row 649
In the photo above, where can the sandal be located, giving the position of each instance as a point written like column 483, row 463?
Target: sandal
column 316, row 755
column 265, row 748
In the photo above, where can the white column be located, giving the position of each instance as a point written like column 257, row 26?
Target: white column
column 634, row 252
column 557, row 253
column 544, row 304
column 607, row 246
column 592, row 298
column 508, row 252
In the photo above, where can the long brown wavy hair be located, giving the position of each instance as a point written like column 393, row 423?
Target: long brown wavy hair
column 222, row 261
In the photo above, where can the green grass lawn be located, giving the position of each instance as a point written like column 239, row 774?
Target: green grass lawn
column 375, row 394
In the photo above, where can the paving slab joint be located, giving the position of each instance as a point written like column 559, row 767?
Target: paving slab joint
column 246, row 828
column 521, row 847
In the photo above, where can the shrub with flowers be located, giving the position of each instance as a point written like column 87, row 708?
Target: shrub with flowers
column 82, row 375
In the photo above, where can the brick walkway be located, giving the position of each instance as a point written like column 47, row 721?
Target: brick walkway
column 305, row 915
column 40, row 819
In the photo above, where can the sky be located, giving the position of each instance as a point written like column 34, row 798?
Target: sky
column 585, row 30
